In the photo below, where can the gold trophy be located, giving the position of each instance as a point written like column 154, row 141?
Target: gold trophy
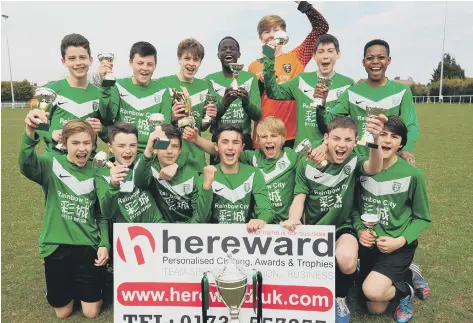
column 367, row 139
column 109, row 78
column 184, row 97
column 231, row 284
column 101, row 160
column 280, row 39
column 46, row 97
column 156, row 121
column 318, row 101
column 236, row 69
column 305, row 148
column 210, row 99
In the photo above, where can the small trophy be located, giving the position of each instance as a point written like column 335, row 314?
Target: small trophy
column 45, row 96
column 305, row 148
column 184, row 97
column 367, row 139
column 109, row 78
column 280, row 39
column 318, row 101
column 231, row 284
column 101, row 160
column 210, row 99
column 236, row 69
column 156, row 121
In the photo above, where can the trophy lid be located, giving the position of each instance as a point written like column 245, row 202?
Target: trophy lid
column 156, row 119
column 236, row 67
column 231, row 271
column 107, row 56
column 374, row 110
column 304, row 147
column 370, row 217
column 46, row 94
column 281, row 37
column 100, row 159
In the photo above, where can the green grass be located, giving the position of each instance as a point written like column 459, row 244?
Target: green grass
column 445, row 252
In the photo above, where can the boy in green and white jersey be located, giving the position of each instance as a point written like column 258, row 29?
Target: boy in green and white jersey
column 74, row 238
column 190, row 54
column 377, row 91
column 326, row 198
column 398, row 196
column 301, row 88
column 134, row 99
column 183, row 197
column 77, row 98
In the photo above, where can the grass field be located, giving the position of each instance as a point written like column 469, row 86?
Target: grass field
column 444, row 153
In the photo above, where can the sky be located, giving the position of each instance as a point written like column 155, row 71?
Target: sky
column 414, row 31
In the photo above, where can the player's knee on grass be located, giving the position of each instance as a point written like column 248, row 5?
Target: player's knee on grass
column 346, row 253
column 65, row 311
column 377, row 308
column 91, row 310
column 378, row 288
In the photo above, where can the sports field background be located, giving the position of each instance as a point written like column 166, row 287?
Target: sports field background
column 444, row 153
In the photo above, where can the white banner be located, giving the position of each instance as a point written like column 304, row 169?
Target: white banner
column 158, row 270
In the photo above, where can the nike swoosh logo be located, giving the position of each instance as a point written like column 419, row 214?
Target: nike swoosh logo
column 305, row 91
column 63, row 176
column 358, row 102
column 315, row 177
column 219, row 190
column 363, row 180
column 59, row 103
column 121, row 94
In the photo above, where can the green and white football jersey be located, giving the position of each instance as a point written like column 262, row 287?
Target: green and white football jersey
column 395, row 98
column 181, row 199
column 71, row 104
column 301, row 88
column 329, row 195
column 126, row 203
column 133, row 103
column 240, row 197
column 72, row 215
column 197, row 90
column 279, row 175
column 399, row 196
column 236, row 113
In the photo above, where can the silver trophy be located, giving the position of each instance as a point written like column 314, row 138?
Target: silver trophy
column 101, row 160
column 305, row 148
column 370, row 220
column 318, row 101
column 209, row 99
column 236, row 69
column 109, row 78
column 46, row 97
column 156, row 121
column 280, row 39
column 231, row 284
column 367, row 139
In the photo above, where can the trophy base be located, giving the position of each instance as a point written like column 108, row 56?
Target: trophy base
column 161, row 144
column 371, row 145
column 44, row 126
column 268, row 51
column 108, row 83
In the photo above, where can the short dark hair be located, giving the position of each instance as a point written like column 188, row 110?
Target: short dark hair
column 327, row 39
column 229, row 37
column 229, row 127
column 193, row 46
column 376, row 42
column 396, row 125
column 121, row 127
column 143, row 49
column 342, row 122
column 74, row 40
column 172, row 132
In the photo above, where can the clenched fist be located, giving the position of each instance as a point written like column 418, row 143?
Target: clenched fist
column 209, row 176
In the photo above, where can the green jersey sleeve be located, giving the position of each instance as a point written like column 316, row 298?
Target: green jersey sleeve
column 103, row 224
column 301, row 186
column 201, row 202
column 341, row 108
column 246, row 157
column 143, row 176
column 253, row 108
column 109, row 104
column 409, row 115
column 420, row 209
column 107, row 195
column 263, row 208
column 31, row 166
column 274, row 90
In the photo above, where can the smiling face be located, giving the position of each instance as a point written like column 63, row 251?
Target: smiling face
column 77, row 61
column 390, row 143
column 228, row 52
column 124, row 147
column 376, row 62
column 341, row 142
column 171, row 154
column 326, row 56
column 143, row 68
column 79, row 148
column 189, row 65
column 229, row 147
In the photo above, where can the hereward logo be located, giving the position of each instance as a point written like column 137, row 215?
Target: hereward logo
column 133, row 233
column 396, row 186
